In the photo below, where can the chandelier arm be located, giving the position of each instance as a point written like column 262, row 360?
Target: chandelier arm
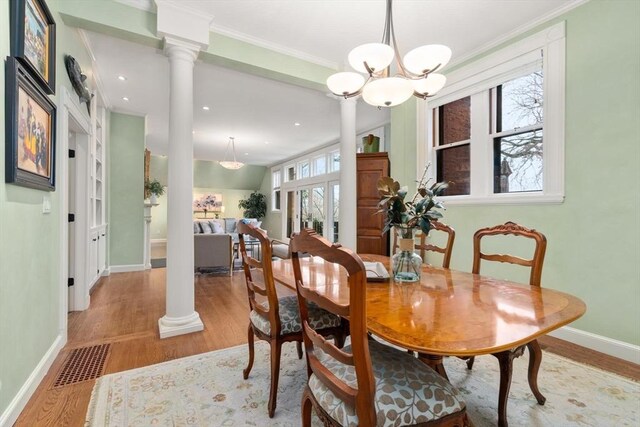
column 224, row 159
column 233, row 148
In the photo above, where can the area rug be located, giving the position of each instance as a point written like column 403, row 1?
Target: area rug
column 208, row 390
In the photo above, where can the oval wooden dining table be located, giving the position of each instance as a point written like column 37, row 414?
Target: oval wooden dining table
column 450, row 313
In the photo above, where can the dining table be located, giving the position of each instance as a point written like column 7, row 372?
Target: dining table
column 449, row 313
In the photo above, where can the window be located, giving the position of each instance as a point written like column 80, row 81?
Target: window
column 320, row 165
column 496, row 131
column 517, row 134
column 275, row 186
column 290, row 174
column 304, row 170
column 453, row 149
column 334, row 161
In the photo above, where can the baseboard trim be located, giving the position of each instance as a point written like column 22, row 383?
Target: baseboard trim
column 610, row 346
column 20, row 400
column 106, row 271
column 126, row 268
column 158, row 241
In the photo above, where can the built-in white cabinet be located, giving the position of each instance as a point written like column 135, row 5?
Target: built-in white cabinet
column 97, row 196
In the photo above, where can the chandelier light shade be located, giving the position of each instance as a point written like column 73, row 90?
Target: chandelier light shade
column 231, row 164
column 415, row 72
column 388, row 91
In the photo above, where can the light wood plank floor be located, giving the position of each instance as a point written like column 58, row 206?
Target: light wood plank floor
column 124, row 311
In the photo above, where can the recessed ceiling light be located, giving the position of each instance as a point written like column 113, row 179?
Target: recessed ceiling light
column 205, row 108
column 122, row 78
column 124, row 98
column 296, row 124
column 266, row 142
column 246, row 154
column 193, row 132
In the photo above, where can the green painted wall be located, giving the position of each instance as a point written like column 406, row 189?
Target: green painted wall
column 29, row 241
column 273, row 221
column 208, row 177
column 594, row 236
column 126, row 189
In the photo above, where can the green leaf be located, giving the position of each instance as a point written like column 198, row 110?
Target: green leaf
column 425, row 225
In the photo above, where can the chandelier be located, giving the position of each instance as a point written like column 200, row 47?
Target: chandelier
column 233, row 165
column 416, row 71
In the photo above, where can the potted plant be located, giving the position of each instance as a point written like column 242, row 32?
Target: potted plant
column 153, row 189
column 254, row 206
column 406, row 216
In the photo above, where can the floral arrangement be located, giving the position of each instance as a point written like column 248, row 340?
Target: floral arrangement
column 416, row 213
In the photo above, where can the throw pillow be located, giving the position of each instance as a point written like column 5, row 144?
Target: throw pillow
column 216, row 227
column 230, row 225
column 196, row 228
column 206, row 227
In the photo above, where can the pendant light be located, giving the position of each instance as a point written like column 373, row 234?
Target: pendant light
column 228, row 164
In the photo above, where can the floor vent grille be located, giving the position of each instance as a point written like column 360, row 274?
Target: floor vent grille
column 82, row 364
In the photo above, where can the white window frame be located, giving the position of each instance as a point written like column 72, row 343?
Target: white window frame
column 276, row 186
column 314, row 169
column 299, row 165
column 330, row 165
column 475, row 80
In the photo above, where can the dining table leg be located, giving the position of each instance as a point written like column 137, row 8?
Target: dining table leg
column 435, row 362
column 505, row 359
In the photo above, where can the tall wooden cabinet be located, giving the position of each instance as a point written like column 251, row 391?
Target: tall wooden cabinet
column 370, row 240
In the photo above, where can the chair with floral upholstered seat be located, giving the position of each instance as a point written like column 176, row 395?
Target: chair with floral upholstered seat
column 276, row 320
column 367, row 383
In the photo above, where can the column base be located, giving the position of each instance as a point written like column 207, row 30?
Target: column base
column 172, row 326
column 147, row 266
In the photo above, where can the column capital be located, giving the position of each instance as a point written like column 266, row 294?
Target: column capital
column 176, row 48
column 349, row 101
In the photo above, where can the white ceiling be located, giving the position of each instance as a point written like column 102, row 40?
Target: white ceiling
column 254, row 109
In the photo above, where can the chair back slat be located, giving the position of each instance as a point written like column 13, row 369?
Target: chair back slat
column 328, row 347
column 313, row 296
column 512, row 229
column 308, row 241
column 263, row 267
column 446, row 250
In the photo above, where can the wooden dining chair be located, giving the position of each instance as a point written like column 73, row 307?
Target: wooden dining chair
column 506, row 358
column 424, row 246
column 276, row 320
column 367, row 383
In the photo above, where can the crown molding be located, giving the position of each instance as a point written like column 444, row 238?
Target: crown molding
column 566, row 7
column 274, row 47
column 102, row 94
column 146, row 5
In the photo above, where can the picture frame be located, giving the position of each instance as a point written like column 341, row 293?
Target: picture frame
column 33, row 40
column 30, row 140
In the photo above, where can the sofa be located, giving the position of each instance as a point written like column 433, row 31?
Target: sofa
column 214, row 241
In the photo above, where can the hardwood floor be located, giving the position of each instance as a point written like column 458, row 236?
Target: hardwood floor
column 124, row 311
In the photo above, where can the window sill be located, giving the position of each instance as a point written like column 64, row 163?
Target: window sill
column 504, row 199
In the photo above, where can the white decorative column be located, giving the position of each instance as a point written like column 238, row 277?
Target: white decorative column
column 147, row 234
column 347, row 221
column 185, row 32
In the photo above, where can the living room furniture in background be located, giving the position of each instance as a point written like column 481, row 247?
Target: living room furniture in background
column 370, row 239
column 213, row 250
column 366, row 383
column 273, row 319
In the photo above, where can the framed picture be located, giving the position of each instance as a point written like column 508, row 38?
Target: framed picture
column 33, row 40
column 30, row 131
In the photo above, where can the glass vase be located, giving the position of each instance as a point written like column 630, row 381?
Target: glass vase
column 406, row 264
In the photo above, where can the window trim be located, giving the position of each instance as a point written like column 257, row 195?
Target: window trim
column 475, row 80
column 275, row 188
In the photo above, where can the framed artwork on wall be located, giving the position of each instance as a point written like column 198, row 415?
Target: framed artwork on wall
column 208, row 203
column 30, row 131
column 33, row 40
